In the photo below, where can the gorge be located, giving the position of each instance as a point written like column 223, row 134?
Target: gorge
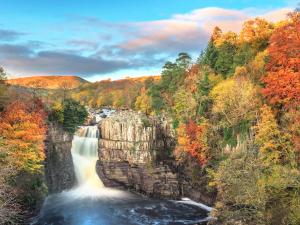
column 127, row 152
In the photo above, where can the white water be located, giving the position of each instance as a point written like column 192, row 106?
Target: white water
column 85, row 155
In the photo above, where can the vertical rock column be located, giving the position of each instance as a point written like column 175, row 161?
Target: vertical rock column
column 130, row 145
column 59, row 169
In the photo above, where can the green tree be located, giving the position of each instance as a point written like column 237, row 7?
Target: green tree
column 224, row 64
column 209, row 56
column 74, row 115
column 70, row 114
column 202, row 95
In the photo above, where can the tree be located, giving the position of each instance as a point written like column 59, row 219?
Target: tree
column 229, row 37
column 274, row 146
column 257, row 33
column 157, row 102
column 183, row 60
column 210, row 55
column 143, row 102
column 224, row 62
column 192, row 140
column 245, row 53
column 74, row 115
column 23, row 129
column 235, row 100
column 22, row 134
column 240, row 200
column 204, row 88
column 282, row 83
column 184, row 105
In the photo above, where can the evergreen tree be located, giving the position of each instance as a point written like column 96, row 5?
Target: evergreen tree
column 224, row 63
column 74, row 115
column 210, row 55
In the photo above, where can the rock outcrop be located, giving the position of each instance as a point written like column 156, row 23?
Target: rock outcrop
column 59, row 169
column 133, row 149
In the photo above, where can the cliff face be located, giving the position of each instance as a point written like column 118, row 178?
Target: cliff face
column 59, row 169
column 133, row 149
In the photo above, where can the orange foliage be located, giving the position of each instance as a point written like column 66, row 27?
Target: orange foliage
column 191, row 139
column 23, row 130
column 257, row 29
column 191, row 78
column 282, row 83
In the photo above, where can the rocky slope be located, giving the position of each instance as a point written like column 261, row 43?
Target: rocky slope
column 59, row 169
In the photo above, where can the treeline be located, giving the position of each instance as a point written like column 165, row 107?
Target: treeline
column 117, row 94
column 236, row 113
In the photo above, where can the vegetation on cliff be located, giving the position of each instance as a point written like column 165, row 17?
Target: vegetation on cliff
column 23, row 126
column 236, row 112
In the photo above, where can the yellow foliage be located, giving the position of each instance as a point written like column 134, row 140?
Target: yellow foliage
column 257, row 29
column 235, row 100
column 229, row 37
column 143, row 102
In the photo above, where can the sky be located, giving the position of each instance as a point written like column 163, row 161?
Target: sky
column 101, row 39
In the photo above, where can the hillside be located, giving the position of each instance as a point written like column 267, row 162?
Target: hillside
column 117, row 93
column 48, row 82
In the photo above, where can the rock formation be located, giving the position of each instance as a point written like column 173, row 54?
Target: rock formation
column 59, row 169
column 133, row 149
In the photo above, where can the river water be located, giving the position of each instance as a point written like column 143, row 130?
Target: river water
column 90, row 203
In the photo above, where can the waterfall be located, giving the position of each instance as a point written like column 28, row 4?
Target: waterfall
column 85, row 155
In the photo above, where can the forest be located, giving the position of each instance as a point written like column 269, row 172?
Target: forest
column 235, row 110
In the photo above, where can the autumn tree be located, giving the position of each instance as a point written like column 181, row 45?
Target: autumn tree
column 235, row 100
column 282, row 83
column 274, row 146
column 192, row 140
column 22, row 134
column 143, row 102
column 184, row 106
column 25, row 130
column 256, row 32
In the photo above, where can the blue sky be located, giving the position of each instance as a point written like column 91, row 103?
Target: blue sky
column 116, row 38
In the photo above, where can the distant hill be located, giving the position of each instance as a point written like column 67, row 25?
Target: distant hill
column 48, row 82
column 115, row 93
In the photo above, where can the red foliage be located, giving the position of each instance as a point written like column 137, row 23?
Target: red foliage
column 282, row 83
column 196, row 145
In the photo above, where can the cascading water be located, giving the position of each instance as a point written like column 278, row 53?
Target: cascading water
column 85, row 155
column 90, row 203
